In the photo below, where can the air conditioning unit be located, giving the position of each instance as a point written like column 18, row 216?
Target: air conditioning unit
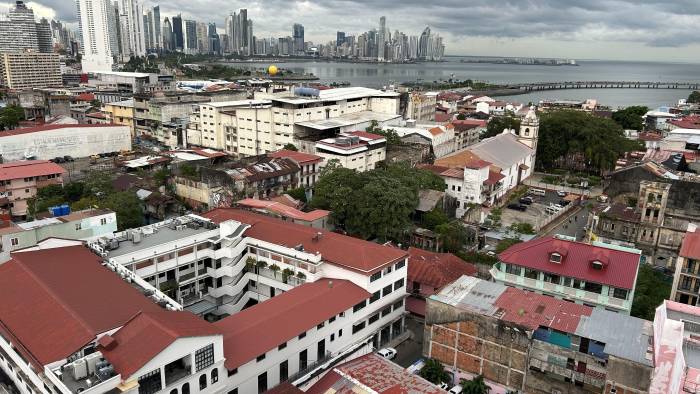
column 80, row 370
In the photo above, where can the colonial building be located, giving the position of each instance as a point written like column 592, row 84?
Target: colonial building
column 598, row 275
column 20, row 180
column 686, row 281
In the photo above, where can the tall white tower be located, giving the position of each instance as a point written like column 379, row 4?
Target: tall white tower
column 96, row 20
column 133, row 30
column 529, row 129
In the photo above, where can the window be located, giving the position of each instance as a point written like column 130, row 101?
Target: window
column 150, row 382
column 78, row 227
column 282, row 346
column 398, row 304
column 375, row 297
column 234, row 391
column 388, row 270
column 302, row 335
column 386, row 311
column 555, row 258
column 214, row 375
column 320, row 326
column 230, row 373
column 204, row 357
column 14, row 241
column 359, row 306
column 332, row 337
column 358, row 327
column 620, row 293
column 400, row 264
column 331, row 320
column 202, row 382
column 375, row 276
column 260, row 357
column 593, row 287
column 386, row 291
column 373, row 318
column 398, row 284
column 532, row 274
column 596, row 265
column 284, row 371
column 303, row 360
column 186, row 388
column 173, row 391
column 551, row 278
column 262, row 382
column 340, row 333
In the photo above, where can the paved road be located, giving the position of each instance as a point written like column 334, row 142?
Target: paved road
column 410, row 350
column 572, row 225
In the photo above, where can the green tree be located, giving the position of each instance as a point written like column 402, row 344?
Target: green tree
column 10, row 116
column 290, row 146
column 564, row 134
column 298, row 194
column 652, row 289
column 188, row 171
column 499, row 123
column 434, row 218
column 334, row 189
column 392, row 138
column 694, row 97
column 461, row 117
column 454, row 236
column 128, row 208
column 522, row 228
column 475, row 386
column 630, row 118
column 506, row 243
column 161, row 176
column 74, row 191
column 434, row 372
column 85, row 203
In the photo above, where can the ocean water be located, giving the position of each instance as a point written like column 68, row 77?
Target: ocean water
column 378, row 75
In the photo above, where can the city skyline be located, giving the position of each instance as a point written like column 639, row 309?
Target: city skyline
column 624, row 31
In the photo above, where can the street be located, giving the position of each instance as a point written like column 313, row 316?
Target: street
column 410, row 350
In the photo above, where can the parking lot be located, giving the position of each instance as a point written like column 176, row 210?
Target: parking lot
column 535, row 213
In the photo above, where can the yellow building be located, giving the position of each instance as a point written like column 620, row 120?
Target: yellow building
column 121, row 113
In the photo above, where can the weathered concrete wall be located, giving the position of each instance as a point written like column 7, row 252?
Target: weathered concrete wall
column 684, row 195
column 630, row 375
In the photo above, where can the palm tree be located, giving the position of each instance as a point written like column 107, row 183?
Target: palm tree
column 475, row 386
column 434, row 372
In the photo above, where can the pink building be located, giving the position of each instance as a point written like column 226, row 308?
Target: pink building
column 20, row 180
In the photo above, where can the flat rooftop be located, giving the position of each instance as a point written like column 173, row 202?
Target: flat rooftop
column 349, row 120
column 154, row 235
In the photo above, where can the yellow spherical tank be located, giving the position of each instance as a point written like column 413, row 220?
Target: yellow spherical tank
column 272, row 70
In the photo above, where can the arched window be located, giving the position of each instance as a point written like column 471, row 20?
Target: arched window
column 186, row 388
column 214, row 375
column 527, row 132
column 203, row 382
column 173, row 391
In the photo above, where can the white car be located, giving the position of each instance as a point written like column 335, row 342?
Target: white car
column 388, row 353
column 562, row 193
column 456, row 389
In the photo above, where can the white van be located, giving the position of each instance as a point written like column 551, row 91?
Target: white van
column 538, row 192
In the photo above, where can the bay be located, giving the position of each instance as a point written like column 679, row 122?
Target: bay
column 377, row 75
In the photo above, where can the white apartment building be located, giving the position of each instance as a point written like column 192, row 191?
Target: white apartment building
column 97, row 23
column 358, row 150
column 27, row 70
column 329, row 296
column 252, row 127
column 421, row 106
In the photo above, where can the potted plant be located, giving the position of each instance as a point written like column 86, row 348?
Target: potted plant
column 261, row 264
column 301, row 275
column 275, row 269
column 250, row 263
column 286, row 274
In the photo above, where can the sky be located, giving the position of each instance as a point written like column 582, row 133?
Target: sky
column 648, row 30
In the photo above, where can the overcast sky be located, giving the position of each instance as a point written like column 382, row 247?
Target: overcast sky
column 662, row 30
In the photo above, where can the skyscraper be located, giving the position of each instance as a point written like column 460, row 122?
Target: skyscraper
column 339, row 38
column 19, row 31
column 190, row 28
column 381, row 38
column 157, row 30
column 178, row 36
column 168, row 41
column 202, row 37
column 298, row 36
column 98, row 34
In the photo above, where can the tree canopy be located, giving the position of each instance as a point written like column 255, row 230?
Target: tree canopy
column 566, row 134
column 290, row 146
column 694, row 97
column 475, row 386
column 499, row 123
column 434, row 372
column 376, row 203
column 630, row 118
column 652, row 289
column 10, row 116
column 392, row 138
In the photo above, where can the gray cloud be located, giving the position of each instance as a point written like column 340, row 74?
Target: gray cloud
column 642, row 23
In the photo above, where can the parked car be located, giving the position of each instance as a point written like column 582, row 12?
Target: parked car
column 456, row 389
column 517, row 207
column 388, row 353
column 564, row 203
column 526, row 200
column 444, row 386
column 538, row 192
column 68, row 158
column 561, row 193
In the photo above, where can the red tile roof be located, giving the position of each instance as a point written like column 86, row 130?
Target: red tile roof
column 147, row 334
column 262, row 327
column 648, row 136
column 284, row 388
column 284, row 210
column 299, row 157
column 50, row 127
column 85, row 97
column 436, row 131
column 374, row 372
column 56, row 301
column 691, row 245
column 366, row 135
column 442, row 118
column 688, row 122
column 30, row 168
column 620, row 267
column 352, row 253
column 494, row 177
column 533, row 310
column 436, row 269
